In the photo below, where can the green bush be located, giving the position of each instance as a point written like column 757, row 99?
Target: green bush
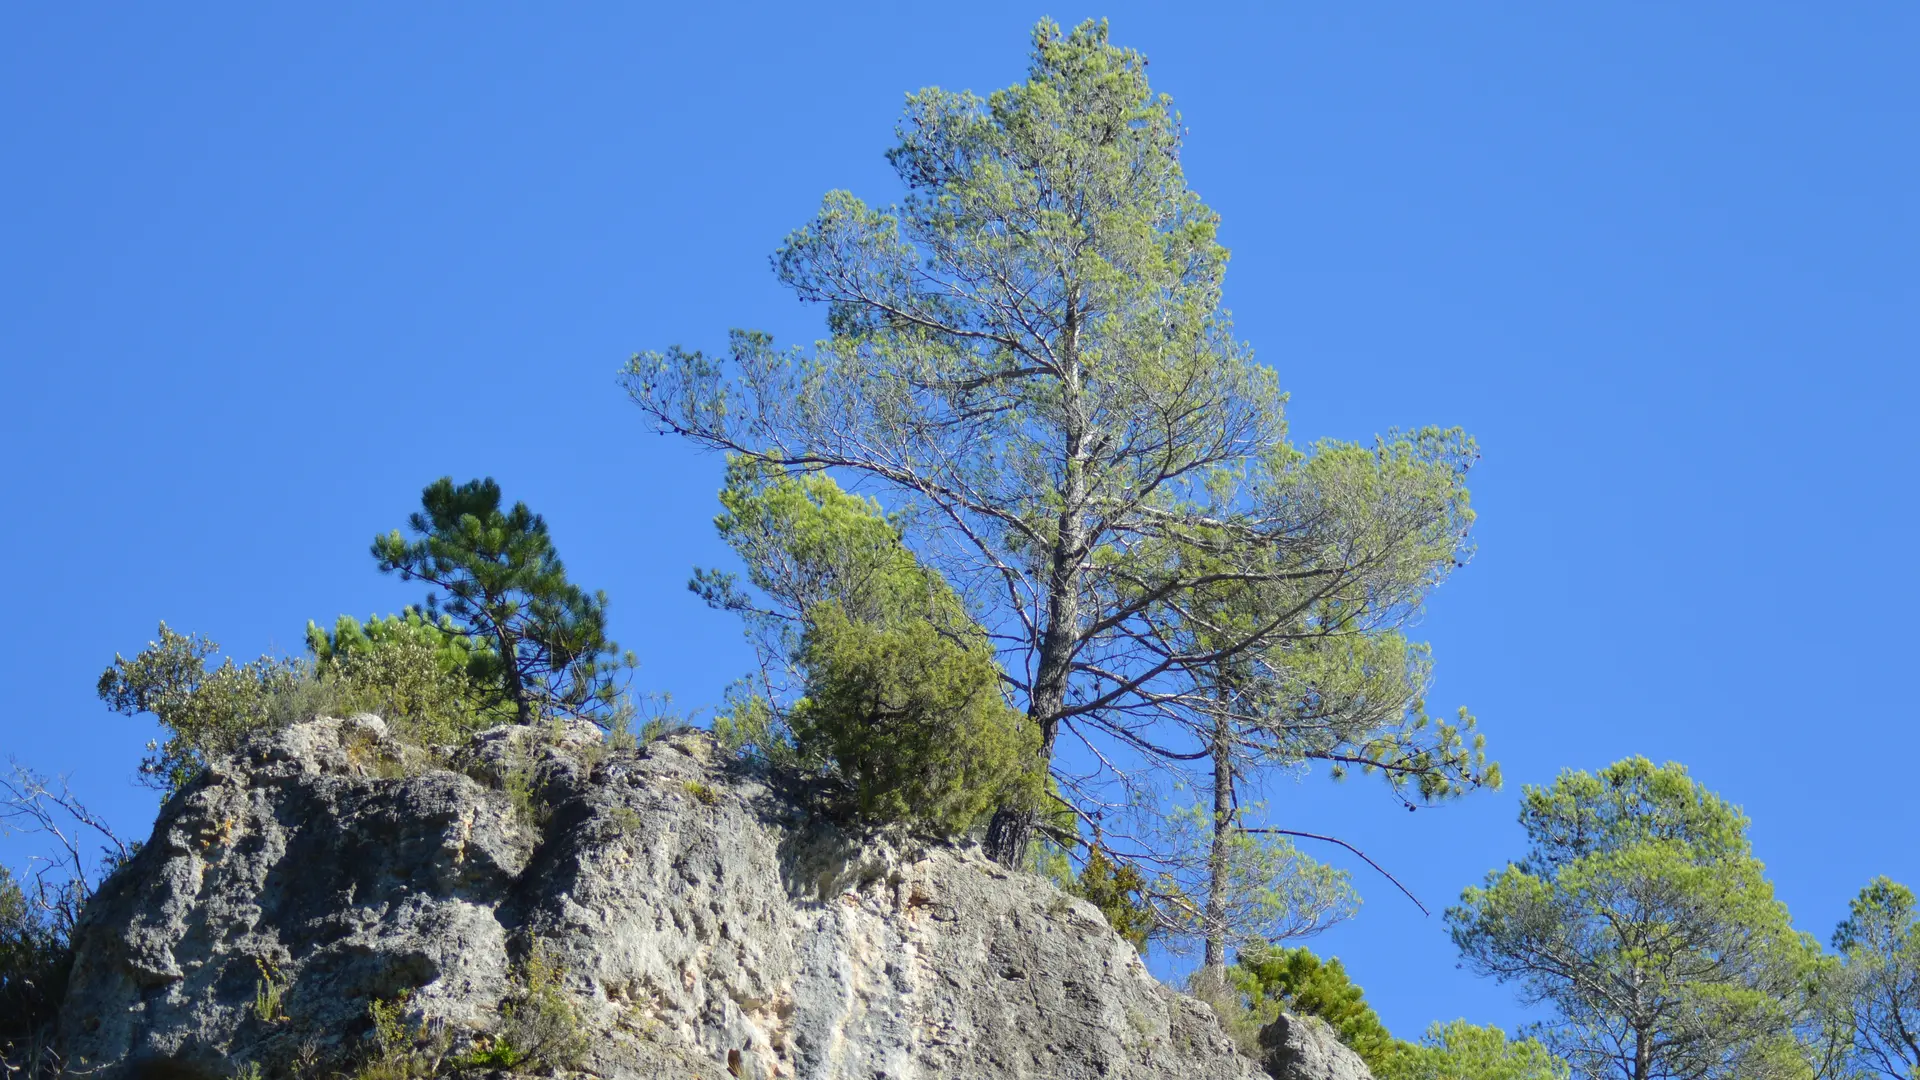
column 1117, row 891
column 413, row 673
column 884, row 686
column 205, row 710
column 1463, row 1051
column 913, row 721
column 34, row 961
column 1262, row 983
column 541, row 1027
column 397, row 1054
column 427, row 680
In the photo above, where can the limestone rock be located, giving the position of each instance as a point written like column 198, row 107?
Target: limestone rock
column 705, row 925
column 1306, row 1048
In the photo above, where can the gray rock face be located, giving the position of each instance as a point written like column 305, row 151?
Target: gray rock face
column 1306, row 1048
column 705, row 927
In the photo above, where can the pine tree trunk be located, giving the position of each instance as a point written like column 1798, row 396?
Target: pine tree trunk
column 1011, row 829
column 516, row 682
column 1214, row 961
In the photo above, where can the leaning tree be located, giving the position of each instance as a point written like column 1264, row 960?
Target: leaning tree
column 1028, row 356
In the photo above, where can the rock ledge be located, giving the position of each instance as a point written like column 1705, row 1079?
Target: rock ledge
column 705, row 927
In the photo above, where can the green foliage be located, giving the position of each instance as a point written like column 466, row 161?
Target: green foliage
column 397, row 1051
column 205, row 710
column 520, row 780
column 1270, row 981
column 1463, row 1051
column 1029, row 353
column 424, row 678
column 268, row 991
column 34, row 962
column 1261, row 887
column 540, row 1031
column 1332, row 676
column 540, row 1025
column 1879, row 999
column 452, row 650
column 411, row 672
column 535, row 638
column 1118, row 890
column 1640, row 878
column 899, row 701
column 912, row 720
column 1293, row 670
column 489, row 1053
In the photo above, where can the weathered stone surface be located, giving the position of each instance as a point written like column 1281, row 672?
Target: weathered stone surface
column 1306, row 1048
column 699, row 916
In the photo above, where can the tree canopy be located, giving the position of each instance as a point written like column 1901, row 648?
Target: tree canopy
column 536, row 636
column 1640, row 917
column 1462, row 1051
column 1295, row 980
column 1029, row 354
column 1879, row 999
column 205, row 710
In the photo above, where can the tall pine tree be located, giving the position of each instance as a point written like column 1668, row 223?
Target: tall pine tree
column 1030, row 355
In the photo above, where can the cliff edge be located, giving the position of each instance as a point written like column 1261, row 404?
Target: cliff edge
column 657, row 912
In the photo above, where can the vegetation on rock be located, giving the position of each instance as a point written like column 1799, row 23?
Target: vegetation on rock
column 1029, row 355
column 872, row 678
column 535, row 638
column 1096, row 526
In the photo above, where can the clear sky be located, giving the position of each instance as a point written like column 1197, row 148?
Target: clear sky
column 266, row 270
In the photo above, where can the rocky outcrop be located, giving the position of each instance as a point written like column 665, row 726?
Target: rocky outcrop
column 1306, row 1048
column 703, row 926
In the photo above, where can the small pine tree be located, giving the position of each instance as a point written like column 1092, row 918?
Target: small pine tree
column 1117, row 889
column 501, row 581
column 1271, row 981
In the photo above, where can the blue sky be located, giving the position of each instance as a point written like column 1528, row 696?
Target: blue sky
column 265, row 272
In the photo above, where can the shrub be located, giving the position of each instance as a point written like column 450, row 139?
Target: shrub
column 541, row 1026
column 413, row 673
column 205, row 710
column 912, row 721
column 1264, row 982
column 879, row 680
column 34, row 961
column 397, row 1053
column 1116, row 889
column 423, row 677
column 1463, row 1051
